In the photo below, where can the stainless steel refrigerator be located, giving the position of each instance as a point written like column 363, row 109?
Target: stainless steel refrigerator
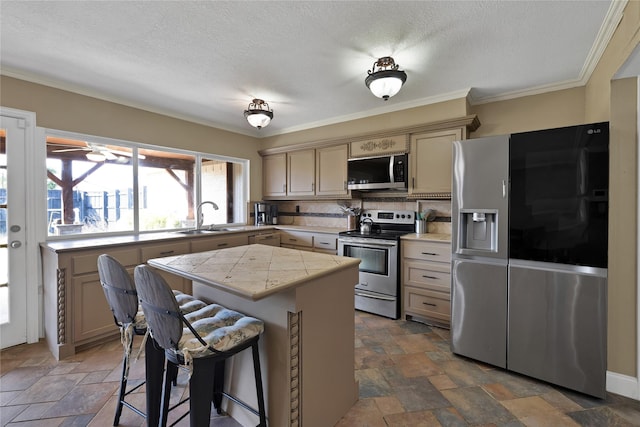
column 529, row 242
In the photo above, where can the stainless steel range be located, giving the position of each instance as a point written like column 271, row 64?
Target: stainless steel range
column 378, row 290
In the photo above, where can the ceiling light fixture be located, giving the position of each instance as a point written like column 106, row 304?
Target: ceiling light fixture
column 386, row 80
column 96, row 156
column 258, row 114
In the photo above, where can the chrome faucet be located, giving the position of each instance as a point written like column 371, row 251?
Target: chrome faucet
column 199, row 216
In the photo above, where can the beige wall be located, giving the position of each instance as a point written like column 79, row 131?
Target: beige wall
column 623, row 202
column 398, row 119
column 624, row 41
column 544, row 111
column 62, row 110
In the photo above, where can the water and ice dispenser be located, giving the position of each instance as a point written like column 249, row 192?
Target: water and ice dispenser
column 478, row 230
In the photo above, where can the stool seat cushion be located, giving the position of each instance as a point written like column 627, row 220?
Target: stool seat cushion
column 186, row 302
column 221, row 328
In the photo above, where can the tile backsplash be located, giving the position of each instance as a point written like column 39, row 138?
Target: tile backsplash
column 328, row 213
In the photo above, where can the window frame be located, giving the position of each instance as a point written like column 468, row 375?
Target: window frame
column 241, row 205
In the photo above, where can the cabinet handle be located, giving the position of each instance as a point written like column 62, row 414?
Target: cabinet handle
column 429, row 304
column 429, row 253
column 267, row 237
column 284, row 188
column 166, row 252
column 413, row 182
column 429, row 277
column 293, row 240
column 345, row 185
column 222, row 244
column 324, row 243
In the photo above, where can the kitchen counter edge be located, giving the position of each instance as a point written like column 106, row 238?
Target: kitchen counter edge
column 428, row 237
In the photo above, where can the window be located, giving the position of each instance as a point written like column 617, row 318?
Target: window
column 98, row 185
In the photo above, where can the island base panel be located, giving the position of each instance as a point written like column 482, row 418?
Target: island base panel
column 307, row 352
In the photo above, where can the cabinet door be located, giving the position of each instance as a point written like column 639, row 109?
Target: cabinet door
column 92, row 316
column 274, row 175
column 331, row 171
column 430, row 161
column 301, row 173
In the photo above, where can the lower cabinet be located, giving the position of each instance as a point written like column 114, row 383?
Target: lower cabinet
column 307, row 241
column 426, row 281
column 76, row 313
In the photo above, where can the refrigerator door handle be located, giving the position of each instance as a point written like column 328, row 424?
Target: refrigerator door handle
column 504, row 188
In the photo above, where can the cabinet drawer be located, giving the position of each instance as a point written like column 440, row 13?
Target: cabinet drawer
column 204, row 244
column 325, row 241
column 296, row 238
column 425, row 303
column 427, row 251
column 159, row 251
column 89, row 263
column 428, row 275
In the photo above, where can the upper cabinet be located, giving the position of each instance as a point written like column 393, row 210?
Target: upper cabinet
column 319, row 169
column 331, row 171
column 430, row 157
column 300, row 174
column 430, row 161
column 274, row 175
column 301, row 177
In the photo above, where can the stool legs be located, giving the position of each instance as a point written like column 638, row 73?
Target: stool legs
column 258, row 375
column 123, row 384
column 201, row 392
column 218, row 385
column 154, row 368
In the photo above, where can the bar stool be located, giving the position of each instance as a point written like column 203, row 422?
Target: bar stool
column 120, row 292
column 201, row 341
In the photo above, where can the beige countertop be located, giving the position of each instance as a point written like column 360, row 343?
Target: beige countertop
column 63, row 245
column 253, row 271
column 429, row 237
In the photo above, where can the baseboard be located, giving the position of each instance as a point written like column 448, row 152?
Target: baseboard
column 623, row 385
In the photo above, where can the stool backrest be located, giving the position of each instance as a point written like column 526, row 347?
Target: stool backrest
column 119, row 289
column 160, row 307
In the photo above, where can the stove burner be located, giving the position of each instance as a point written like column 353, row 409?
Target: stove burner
column 386, row 225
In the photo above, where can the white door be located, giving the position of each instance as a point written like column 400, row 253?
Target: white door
column 14, row 134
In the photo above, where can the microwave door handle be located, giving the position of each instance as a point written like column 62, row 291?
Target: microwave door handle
column 391, row 163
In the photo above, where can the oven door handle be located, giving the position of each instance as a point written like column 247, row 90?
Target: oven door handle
column 380, row 297
column 368, row 242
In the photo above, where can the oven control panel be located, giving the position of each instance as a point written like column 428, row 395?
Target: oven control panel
column 389, row 217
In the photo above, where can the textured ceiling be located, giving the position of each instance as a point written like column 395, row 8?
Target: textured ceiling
column 204, row 61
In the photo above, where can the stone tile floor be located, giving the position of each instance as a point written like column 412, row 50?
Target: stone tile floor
column 407, row 374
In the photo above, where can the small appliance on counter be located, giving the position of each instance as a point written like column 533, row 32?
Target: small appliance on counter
column 266, row 213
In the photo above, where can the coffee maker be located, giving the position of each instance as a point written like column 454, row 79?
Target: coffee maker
column 266, row 213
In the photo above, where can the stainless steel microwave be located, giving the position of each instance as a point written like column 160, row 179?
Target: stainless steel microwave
column 378, row 173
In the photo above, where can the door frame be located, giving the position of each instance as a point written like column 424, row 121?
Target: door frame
column 35, row 163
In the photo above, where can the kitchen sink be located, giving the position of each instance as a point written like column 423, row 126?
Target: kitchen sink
column 194, row 231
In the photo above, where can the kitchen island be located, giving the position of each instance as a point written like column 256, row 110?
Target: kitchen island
column 306, row 301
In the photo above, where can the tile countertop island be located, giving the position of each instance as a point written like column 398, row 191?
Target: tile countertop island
column 306, row 300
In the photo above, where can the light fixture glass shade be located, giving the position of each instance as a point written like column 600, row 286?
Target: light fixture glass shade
column 385, row 81
column 258, row 114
